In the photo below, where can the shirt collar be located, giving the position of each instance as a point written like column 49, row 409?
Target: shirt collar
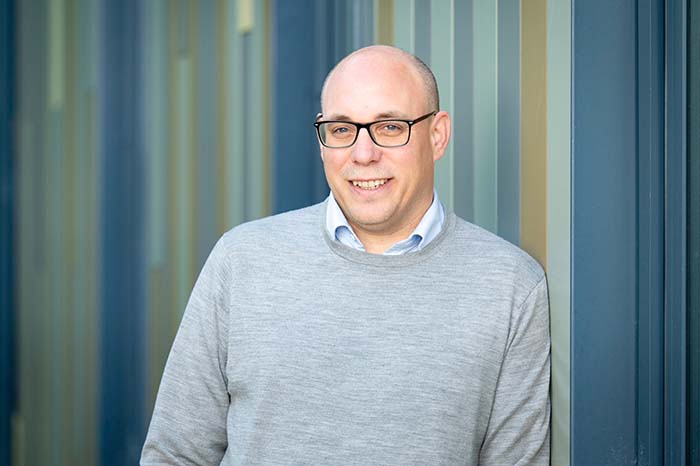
column 429, row 227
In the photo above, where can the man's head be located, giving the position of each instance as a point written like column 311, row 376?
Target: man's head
column 383, row 191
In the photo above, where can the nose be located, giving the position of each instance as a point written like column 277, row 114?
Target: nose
column 365, row 151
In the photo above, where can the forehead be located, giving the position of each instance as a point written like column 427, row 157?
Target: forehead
column 372, row 84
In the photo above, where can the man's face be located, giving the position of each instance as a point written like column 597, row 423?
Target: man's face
column 382, row 191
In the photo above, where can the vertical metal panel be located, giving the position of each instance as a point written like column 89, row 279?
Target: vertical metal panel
column 295, row 149
column 604, row 287
column 7, row 225
column 362, row 22
column 404, row 14
column 384, row 21
column 235, row 193
column 533, row 196
column 442, row 63
column 675, row 223
column 421, row 36
column 122, row 243
column 29, row 442
column 463, row 110
column 508, row 165
column 693, row 246
column 650, row 195
column 156, row 82
column 559, row 219
column 486, row 112
column 204, row 155
column 256, row 154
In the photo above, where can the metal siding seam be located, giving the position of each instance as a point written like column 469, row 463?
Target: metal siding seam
column 559, row 219
column 8, row 370
column 675, row 419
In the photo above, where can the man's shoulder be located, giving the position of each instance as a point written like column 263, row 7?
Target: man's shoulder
column 495, row 253
column 284, row 228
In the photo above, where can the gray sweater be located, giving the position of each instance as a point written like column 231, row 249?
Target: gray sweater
column 297, row 350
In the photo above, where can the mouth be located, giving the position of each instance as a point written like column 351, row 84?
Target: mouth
column 369, row 185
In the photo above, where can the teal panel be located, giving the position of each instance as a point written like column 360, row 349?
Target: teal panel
column 403, row 24
column 441, row 61
column 559, row 219
column 485, row 107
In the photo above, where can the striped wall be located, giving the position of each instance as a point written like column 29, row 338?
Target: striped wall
column 147, row 129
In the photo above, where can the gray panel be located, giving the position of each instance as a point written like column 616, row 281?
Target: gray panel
column 421, row 31
column 463, row 110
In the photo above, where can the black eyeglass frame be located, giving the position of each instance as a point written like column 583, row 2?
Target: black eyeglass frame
column 359, row 126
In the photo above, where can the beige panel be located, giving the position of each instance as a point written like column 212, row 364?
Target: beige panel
column 533, row 226
column 384, row 22
column 245, row 15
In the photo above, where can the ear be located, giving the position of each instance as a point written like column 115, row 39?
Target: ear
column 440, row 134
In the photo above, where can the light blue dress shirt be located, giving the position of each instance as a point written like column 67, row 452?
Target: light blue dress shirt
column 429, row 227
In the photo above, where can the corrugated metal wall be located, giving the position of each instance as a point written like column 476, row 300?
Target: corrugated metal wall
column 147, row 129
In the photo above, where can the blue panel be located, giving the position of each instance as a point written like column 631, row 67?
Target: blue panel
column 604, row 281
column 122, row 416
column 675, row 263
column 322, row 35
column 7, row 196
column 421, row 43
column 295, row 150
column 650, row 75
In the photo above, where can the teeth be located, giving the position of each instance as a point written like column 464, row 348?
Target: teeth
column 372, row 184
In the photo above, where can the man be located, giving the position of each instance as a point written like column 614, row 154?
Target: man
column 372, row 329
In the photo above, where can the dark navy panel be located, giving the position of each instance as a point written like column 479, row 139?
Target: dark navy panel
column 604, row 220
column 675, row 263
column 295, row 150
column 693, row 236
column 650, row 192
column 7, row 225
column 122, row 237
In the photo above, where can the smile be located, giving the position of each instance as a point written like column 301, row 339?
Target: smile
column 370, row 184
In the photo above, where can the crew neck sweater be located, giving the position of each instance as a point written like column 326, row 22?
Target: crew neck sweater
column 320, row 354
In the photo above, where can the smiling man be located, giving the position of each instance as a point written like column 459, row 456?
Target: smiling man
column 375, row 328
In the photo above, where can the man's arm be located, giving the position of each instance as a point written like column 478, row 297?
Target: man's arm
column 189, row 420
column 518, row 431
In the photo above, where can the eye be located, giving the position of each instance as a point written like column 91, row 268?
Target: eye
column 391, row 128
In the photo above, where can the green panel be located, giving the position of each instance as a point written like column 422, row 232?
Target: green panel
column 183, row 180
column 441, row 62
column 559, row 218
column 485, row 108
column 156, row 84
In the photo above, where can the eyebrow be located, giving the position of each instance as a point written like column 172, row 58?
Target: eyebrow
column 380, row 116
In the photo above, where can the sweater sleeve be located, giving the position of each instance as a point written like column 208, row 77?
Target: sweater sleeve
column 518, row 430
column 188, row 426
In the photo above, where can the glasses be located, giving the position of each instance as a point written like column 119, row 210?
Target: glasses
column 337, row 134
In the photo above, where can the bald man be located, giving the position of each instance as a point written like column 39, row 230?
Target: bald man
column 375, row 328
